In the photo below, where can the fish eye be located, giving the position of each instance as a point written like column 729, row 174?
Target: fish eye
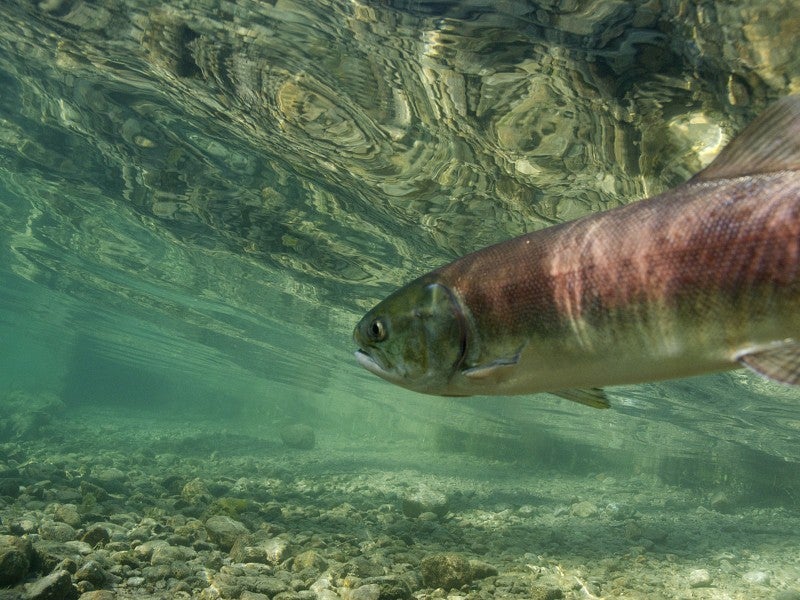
column 377, row 330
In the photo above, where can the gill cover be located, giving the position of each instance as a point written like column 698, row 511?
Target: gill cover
column 415, row 338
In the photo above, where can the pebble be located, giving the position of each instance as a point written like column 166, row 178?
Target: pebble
column 67, row 513
column 699, row 578
column 165, row 554
column 757, row 578
column 223, row 530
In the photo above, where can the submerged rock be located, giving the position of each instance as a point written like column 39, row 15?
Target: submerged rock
column 224, row 531
column 446, row 570
column 67, row 513
column 93, row 573
column 425, row 500
column 96, row 535
column 56, row 586
column 15, row 559
column 584, row 509
column 250, row 549
column 310, row 559
column 699, row 578
column 757, row 578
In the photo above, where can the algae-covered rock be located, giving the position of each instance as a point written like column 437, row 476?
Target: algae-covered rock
column 446, row 570
column 224, row 531
column 310, row 559
column 195, row 492
column 231, row 507
column 56, row 586
column 15, row 559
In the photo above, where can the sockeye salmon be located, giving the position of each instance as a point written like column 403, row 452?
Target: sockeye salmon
column 702, row 278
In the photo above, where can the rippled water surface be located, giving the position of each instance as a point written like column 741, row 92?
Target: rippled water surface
column 198, row 199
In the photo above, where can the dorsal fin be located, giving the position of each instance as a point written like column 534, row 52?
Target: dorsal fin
column 770, row 143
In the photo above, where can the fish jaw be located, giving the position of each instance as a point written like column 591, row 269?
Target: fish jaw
column 373, row 366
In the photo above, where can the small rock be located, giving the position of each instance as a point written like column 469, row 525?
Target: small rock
column 310, row 559
column 93, row 573
column 370, row 591
column 56, row 586
column 196, row 492
column 24, row 526
column 223, row 530
column 721, row 503
column 583, row 509
column 246, row 595
column 146, row 549
column 757, row 578
column 271, row 551
column 699, row 578
column 543, row 592
column 788, row 595
column 425, row 500
column 166, row 554
column 67, row 513
column 482, row 570
column 77, row 546
column 110, row 479
column 447, row 570
column 391, row 587
column 97, row 595
column 298, row 436
column 96, row 535
column 60, row 532
column 15, row 559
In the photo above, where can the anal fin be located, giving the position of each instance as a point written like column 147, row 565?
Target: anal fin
column 780, row 362
column 594, row 397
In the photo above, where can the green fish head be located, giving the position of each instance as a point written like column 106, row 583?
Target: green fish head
column 415, row 338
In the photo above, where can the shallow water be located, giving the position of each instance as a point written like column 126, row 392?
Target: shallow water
column 199, row 199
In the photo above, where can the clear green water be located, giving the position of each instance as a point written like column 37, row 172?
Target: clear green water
column 199, row 199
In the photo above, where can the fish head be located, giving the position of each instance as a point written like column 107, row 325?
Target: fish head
column 415, row 338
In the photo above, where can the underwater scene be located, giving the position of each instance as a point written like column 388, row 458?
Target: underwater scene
column 200, row 199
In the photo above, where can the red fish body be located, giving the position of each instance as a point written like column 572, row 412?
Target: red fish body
column 702, row 278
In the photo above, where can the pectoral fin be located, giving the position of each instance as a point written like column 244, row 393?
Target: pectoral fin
column 780, row 362
column 495, row 369
column 594, row 397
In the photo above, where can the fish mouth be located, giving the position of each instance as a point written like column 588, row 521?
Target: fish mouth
column 373, row 366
